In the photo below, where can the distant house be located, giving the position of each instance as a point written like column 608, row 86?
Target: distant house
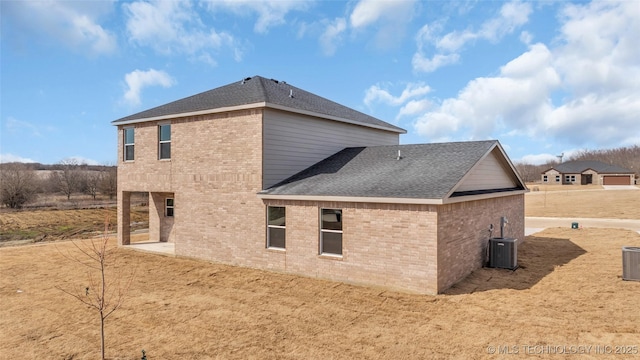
column 262, row 174
column 588, row 172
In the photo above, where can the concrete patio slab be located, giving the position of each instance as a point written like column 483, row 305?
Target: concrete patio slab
column 164, row 248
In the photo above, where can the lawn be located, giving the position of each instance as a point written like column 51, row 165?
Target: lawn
column 567, row 292
column 593, row 203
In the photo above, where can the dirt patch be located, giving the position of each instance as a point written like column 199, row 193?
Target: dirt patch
column 567, row 292
column 619, row 204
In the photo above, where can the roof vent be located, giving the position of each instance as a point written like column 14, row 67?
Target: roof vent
column 275, row 81
column 245, row 80
column 291, row 93
column 399, row 155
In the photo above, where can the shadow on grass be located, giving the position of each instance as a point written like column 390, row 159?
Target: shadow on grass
column 537, row 258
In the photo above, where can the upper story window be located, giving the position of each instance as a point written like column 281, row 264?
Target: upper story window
column 168, row 207
column 128, row 144
column 276, row 227
column 331, row 231
column 164, row 141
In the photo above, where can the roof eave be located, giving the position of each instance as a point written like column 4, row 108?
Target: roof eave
column 352, row 199
column 390, row 200
column 255, row 106
column 191, row 113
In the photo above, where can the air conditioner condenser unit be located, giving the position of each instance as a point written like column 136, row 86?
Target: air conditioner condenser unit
column 503, row 253
column 631, row 263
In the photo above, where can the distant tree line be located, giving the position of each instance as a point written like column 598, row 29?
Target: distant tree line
column 20, row 183
column 626, row 157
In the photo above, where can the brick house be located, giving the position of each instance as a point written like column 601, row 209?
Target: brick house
column 585, row 172
column 262, row 174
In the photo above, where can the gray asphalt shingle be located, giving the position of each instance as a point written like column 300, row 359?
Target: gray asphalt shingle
column 256, row 90
column 425, row 171
column 576, row 167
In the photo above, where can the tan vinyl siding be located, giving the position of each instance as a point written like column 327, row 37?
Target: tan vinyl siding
column 293, row 142
column 490, row 173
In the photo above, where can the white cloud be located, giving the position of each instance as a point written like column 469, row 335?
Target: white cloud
column 15, row 126
column 270, row 12
column 75, row 24
column 412, row 90
column 138, row 79
column 512, row 15
column 424, row 64
column 332, row 35
column 368, row 12
column 584, row 90
column 9, row 158
column 389, row 18
column 414, row 107
column 171, row 27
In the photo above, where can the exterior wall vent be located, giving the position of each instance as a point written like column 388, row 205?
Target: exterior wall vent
column 503, row 253
column 631, row 263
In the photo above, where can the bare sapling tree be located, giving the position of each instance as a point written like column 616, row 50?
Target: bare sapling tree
column 104, row 292
column 17, row 185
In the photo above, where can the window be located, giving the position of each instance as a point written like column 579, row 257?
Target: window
column 276, row 231
column 544, row 178
column 164, row 141
column 128, row 144
column 569, row 178
column 557, row 178
column 168, row 207
column 331, row 231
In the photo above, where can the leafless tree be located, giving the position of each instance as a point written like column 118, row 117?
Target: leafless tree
column 69, row 179
column 17, row 184
column 109, row 181
column 92, row 180
column 104, row 294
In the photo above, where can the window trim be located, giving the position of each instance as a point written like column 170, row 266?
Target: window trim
column 162, row 142
column 269, row 226
column 167, row 207
column 545, row 178
column 558, row 178
column 322, row 231
column 125, row 144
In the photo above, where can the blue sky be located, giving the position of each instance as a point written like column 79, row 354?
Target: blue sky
column 543, row 77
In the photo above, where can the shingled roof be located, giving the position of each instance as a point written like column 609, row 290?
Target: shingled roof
column 260, row 92
column 423, row 171
column 578, row 166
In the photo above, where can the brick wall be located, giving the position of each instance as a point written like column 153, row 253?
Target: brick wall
column 388, row 245
column 215, row 173
column 464, row 234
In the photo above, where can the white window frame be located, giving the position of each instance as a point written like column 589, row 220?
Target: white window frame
column 126, row 144
column 323, row 231
column 557, row 178
column 545, row 178
column 284, row 227
column 167, row 207
column 162, row 142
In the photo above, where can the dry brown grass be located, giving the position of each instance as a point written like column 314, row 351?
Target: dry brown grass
column 568, row 291
column 607, row 204
column 62, row 224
